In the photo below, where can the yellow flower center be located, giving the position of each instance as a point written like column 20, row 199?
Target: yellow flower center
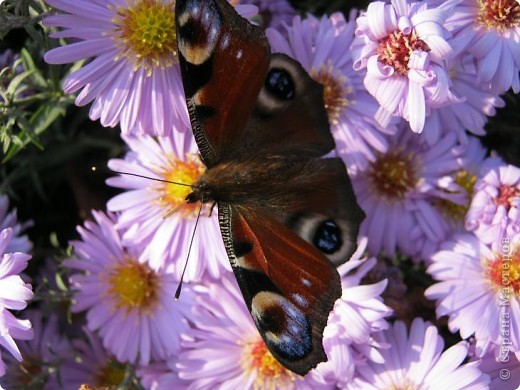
column 504, row 270
column 499, row 15
column 453, row 211
column 336, row 90
column 270, row 374
column 393, row 174
column 395, row 50
column 111, row 374
column 145, row 33
column 133, row 286
column 172, row 197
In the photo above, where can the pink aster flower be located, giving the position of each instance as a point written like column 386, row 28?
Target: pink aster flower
column 479, row 289
column 399, row 190
column 403, row 46
column 495, row 209
column 148, row 215
column 490, row 31
column 14, row 294
column 129, row 304
column 132, row 73
column 42, row 355
column 416, row 360
column 319, row 45
column 91, row 364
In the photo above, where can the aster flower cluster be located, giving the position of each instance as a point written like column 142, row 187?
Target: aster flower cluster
column 430, row 299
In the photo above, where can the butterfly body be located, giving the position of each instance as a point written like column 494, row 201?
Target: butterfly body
column 287, row 216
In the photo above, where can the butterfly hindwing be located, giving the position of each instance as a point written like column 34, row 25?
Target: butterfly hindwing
column 223, row 60
column 289, row 286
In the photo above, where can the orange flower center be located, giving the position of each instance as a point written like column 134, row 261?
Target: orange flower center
column 504, row 270
column 505, row 193
column 270, row 374
column 172, row 197
column 499, row 15
column 396, row 49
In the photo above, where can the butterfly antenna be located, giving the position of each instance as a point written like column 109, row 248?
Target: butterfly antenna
column 179, row 287
column 95, row 169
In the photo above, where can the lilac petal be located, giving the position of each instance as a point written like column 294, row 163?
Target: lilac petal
column 78, row 51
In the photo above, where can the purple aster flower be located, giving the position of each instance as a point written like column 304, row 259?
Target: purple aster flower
column 403, row 46
column 129, row 304
column 495, row 208
column 91, row 364
column 489, row 30
column 399, row 189
column 503, row 369
column 471, row 113
column 319, row 45
column 132, row 73
column 148, row 213
column 479, row 289
column 415, row 360
column 272, row 13
column 14, row 294
column 18, row 242
column 41, row 356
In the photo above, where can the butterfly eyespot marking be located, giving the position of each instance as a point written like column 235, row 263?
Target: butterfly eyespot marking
column 327, row 237
column 197, row 37
column 280, row 84
column 286, row 329
column 325, row 234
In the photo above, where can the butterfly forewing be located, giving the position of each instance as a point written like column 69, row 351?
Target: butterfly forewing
column 224, row 61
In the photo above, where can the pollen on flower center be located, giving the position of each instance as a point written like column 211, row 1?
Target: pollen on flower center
column 257, row 357
column 456, row 212
column 145, row 33
column 133, row 286
column 393, row 174
column 395, row 50
column 504, row 270
column 173, row 195
column 336, row 90
column 505, row 193
column 499, row 15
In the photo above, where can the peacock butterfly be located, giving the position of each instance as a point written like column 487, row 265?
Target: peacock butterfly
column 287, row 216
